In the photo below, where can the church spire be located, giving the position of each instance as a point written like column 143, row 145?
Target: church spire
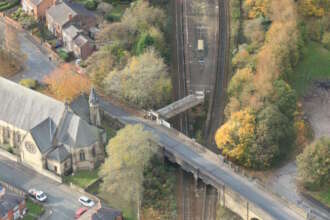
column 94, row 109
column 92, row 97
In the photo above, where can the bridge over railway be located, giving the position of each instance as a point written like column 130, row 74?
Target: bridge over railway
column 235, row 192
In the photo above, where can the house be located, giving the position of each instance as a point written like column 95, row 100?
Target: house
column 48, row 134
column 36, row 8
column 75, row 41
column 65, row 13
column 12, row 206
column 102, row 212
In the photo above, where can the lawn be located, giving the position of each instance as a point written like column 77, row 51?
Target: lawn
column 322, row 196
column 82, row 178
column 116, row 13
column 34, row 210
column 315, row 65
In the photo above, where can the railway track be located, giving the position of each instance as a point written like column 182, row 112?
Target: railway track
column 218, row 97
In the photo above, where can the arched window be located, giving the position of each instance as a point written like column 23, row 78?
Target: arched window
column 82, row 155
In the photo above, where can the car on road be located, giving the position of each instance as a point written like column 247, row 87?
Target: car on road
column 85, row 201
column 38, row 195
column 80, row 212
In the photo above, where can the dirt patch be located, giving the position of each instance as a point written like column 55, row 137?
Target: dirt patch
column 316, row 104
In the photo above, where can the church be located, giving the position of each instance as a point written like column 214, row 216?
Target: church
column 47, row 134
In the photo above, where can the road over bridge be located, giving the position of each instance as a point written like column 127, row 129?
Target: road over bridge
column 207, row 166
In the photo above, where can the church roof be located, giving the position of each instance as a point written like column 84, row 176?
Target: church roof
column 48, row 120
column 59, row 154
column 43, row 134
column 80, row 106
column 25, row 108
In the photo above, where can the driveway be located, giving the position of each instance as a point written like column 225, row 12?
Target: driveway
column 36, row 64
column 62, row 200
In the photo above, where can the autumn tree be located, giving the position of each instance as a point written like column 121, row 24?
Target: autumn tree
column 65, row 84
column 144, row 81
column 314, row 164
column 129, row 153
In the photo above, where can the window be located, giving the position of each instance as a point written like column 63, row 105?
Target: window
column 55, row 169
column 93, row 152
column 82, row 155
column 18, row 138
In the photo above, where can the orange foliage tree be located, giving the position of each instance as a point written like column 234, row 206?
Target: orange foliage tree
column 65, row 84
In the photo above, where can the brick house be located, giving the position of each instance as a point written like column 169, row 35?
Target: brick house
column 12, row 206
column 36, row 8
column 63, row 14
column 76, row 41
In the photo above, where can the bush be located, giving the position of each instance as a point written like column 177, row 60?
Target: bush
column 29, row 83
column 115, row 14
column 90, row 5
column 65, row 56
column 326, row 40
column 314, row 164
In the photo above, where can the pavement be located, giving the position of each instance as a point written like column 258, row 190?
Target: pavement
column 62, row 201
column 36, row 64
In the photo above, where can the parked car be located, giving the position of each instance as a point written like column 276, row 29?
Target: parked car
column 85, row 201
column 80, row 212
column 38, row 195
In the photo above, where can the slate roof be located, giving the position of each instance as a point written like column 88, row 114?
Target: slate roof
column 36, row 2
column 59, row 154
column 80, row 106
column 106, row 213
column 71, row 31
column 76, row 132
column 8, row 201
column 60, row 13
column 80, row 40
column 43, row 134
column 49, row 121
column 25, row 108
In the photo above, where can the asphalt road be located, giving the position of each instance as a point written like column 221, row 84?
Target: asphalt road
column 36, row 62
column 62, row 201
column 207, row 165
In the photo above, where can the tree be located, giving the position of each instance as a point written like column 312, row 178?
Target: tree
column 144, row 81
column 129, row 153
column 314, row 164
column 237, row 135
column 65, row 84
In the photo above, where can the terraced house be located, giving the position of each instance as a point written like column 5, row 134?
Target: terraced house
column 50, row 135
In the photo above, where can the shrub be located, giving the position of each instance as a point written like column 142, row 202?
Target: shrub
column 29, row 83
column 9, row 5
column 65, row 56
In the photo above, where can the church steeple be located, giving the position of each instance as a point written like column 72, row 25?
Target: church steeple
column 94, row 108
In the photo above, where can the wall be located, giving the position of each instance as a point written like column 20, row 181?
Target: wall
column 34, row 159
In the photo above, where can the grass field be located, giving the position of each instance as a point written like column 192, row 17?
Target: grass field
column 315, row 65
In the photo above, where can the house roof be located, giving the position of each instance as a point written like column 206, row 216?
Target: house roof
column 25, row 108
column 60, row 13
column 106, row 213
column 71, row 31
column 8, row 201
column 36, row 2
column 80, row 40
column 59, row 154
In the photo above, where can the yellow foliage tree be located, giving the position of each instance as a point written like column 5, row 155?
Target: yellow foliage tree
column 310, row 8
column 237, row 134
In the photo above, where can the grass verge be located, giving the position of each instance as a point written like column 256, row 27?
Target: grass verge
column 82, row 178
column 323, row 196
column 34, row 210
